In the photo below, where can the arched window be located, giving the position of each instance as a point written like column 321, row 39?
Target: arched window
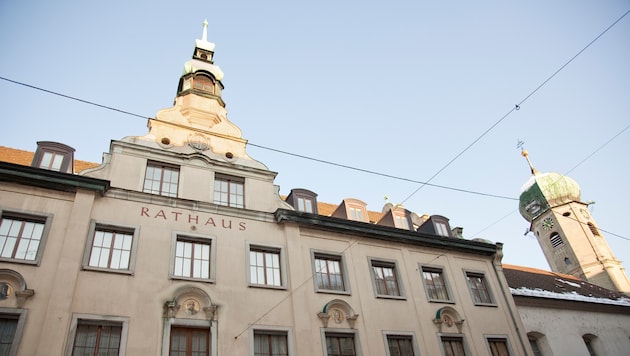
column 590, row 341
column 593, row 228
column 204, row 83
column 556, row 240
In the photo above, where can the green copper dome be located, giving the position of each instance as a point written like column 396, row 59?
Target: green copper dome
column 544, row 191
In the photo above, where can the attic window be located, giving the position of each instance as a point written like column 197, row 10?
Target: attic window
column 441, row 228
column 356, row 213
column 400, row 220
column 54, row 156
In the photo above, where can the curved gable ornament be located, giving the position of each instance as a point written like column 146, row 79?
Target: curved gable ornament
column 190, row 303
column 447, row 317
column 338, row 311
column 13, row 284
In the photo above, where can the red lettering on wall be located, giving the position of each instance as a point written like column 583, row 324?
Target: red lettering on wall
column 191, row 218
column 241, row 226
column 160, row 214
column 144, row 212
column 176, row 214
column 229, row 224
column 210, row 222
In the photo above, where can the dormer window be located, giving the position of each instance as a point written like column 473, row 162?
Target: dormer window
column 54, row 156
column 351, row 209
column 303, row 200
column 441, row 228
column 356, row 213
column 400, row 220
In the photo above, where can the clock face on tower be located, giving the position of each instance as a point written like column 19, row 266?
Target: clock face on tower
column 547, row 223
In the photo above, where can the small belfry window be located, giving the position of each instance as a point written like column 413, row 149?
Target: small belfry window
column 203, row 83
column 161, row 179
column 593, row 228
column 229, row 191
column 556, row 240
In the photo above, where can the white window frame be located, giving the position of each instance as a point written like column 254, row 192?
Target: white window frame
column 96, row 318
column 46, row 219
column 229, row 179
column 199, row 238
column 401, row 289
column 342, row 266
column 272, row 329
column 161, row 191
column 414, row 340
column 492, row 302
column 19, row 330
column 97, row 225
column 283, row 269
column 442, row 270
column 353, row 332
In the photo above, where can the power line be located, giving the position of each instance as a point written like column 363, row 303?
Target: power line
column 516, row 107
column 269, row 148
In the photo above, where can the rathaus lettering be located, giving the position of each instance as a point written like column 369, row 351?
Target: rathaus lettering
column 192, row 219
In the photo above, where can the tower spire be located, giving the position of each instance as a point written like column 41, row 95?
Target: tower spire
column 525, row 154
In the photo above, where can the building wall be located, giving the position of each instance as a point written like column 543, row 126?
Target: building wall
column 65, row 289
column 561, row 331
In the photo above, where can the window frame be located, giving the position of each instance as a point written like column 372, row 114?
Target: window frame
column 280, row 250
column 278, row 330
column 488, row 288
column 455, row 337
column 195, row 238
column 386, row 263
column 169, row 323
column 303, row 200
column 434, row 269
column 317, row 254
column 89, row 244
column 44, row 218
column 325, row 332
column 229, row 179
column 21, row 315
column 162, row 166
column 493, row 338
column 93, row 318
column 400, row 334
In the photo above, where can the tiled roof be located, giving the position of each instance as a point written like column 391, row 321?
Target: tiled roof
column 527, row 278
column 12, row 155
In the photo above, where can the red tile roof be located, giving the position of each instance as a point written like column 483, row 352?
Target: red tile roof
column 12, row 155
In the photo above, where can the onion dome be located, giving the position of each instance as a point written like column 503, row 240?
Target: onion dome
column 544, row 191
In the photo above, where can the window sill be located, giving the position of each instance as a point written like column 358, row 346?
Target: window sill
column 485, row 304
column 264, row 286
column 202, row 280
column 108, row 270
column 331, row 291
column 396, row 297
column 441, row 301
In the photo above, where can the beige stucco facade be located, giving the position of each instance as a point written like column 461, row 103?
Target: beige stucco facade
column 56, row 293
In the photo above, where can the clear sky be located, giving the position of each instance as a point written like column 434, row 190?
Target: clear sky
column 398, row 87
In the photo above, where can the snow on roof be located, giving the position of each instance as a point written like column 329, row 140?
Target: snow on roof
column 623, row 301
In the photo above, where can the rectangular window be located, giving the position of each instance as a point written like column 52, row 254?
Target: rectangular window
column 270, row 343
column 453, row 346
column 478, row 288
column 8, row 328
column 229, row 191
column 356, row 214
column 385, row 277
column 329, row 273
column 21, row 237
column 498, row 347
column 188, row 341
column 435, row 284
column 442, row 229
column 192, row 258
column 111, row 248
column 401, row 222
column 340, row 344
column 264, row 266
column 97, row 337
column 161, row 179
column 305, row 205
column 400, row 345
column 52, row 160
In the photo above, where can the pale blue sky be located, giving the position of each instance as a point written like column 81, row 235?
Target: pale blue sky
column 398, row 87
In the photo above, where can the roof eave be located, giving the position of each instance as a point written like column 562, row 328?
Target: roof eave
column 44, row 178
